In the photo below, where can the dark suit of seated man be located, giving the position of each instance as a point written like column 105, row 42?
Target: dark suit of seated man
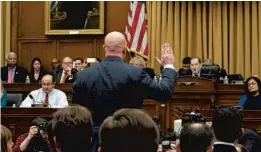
column 195, row 66
column 113, row 84
column 185, row 70
column 67, row 73
column 198, row 71
column 12, row 73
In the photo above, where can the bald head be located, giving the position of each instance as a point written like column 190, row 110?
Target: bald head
column 47, row 77
column 67, row 62
column 67, row 59
column 115, row 44
column 11, row 58
column 47, row 83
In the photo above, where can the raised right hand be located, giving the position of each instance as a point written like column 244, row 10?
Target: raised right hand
column 167, row 56
column 32, row 131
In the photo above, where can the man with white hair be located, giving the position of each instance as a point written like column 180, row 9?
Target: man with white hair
column 67, row 73
column 12, row 73
column 113, row 84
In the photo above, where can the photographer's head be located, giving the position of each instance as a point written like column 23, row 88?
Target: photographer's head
column 72, row 129
column 227, row 122
column 129, row 130
column 196, row 137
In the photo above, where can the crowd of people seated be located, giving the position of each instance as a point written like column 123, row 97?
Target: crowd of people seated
column 133, row 130
column 64, row 73
column 105, row 90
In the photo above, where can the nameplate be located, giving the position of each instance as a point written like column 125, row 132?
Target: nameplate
column 39, row 105
column 187, row 83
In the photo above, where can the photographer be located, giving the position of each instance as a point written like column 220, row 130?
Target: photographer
column 35, row 140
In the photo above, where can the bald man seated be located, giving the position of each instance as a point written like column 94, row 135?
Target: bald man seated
column 113, row 84
column 12, row 73
column 48, row 95
column 67, row 74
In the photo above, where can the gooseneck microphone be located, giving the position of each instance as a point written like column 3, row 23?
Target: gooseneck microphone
column 31, row 97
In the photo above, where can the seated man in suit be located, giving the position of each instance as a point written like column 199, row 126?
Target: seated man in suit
column 185, row 70
column 195, row 137
column 46, row 95
column 12, row 73
column 67, row 74
column 55, row 65
column 195, row 66
column 227, row 122
column 78, row 63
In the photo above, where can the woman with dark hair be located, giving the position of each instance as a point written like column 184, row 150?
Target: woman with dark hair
column 251, row 100
column 37, row 71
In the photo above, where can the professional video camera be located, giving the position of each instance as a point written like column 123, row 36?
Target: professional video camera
column 193, row 117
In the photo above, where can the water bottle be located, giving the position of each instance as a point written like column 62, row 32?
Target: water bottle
column 27, row 80
column 155, row 79
column 226, row 80
column 160, row 78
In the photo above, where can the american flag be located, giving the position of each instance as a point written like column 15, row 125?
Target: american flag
column 136, row 30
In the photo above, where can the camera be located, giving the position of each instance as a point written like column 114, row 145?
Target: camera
column 193, row 117
column 38, row 142
column 42, row 127
column 167, row 139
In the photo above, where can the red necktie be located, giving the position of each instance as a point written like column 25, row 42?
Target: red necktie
column 46, row 99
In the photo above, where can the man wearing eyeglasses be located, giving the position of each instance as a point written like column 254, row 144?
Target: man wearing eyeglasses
column 47, row 95
column 67, row 74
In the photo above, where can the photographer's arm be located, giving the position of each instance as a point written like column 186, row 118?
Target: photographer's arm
column 24, row 144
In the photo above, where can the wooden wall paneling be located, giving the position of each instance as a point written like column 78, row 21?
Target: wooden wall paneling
column 44, row 49
column 76, row 48
column 31, row 19
column 14, row 26
column 99, row 48
column 116, row 16
column 27, row 26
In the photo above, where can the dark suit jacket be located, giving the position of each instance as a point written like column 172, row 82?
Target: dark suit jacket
column 224, row 148
column 59, row 73
column 183, row 72
column 20, row 74
column 113, row 84
column 150, row 72
column 251, row 141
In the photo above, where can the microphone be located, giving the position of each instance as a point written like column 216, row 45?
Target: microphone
column 31, row 97
column 38, row 104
